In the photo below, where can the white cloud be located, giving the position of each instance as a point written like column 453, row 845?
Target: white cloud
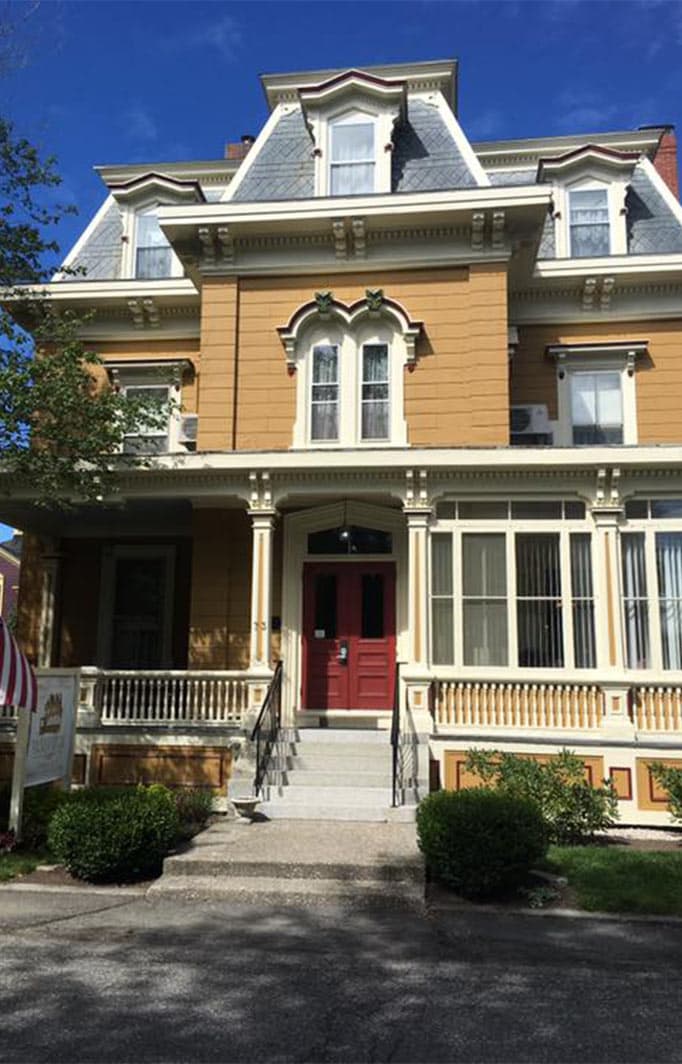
column 485, row 124
column 222, row 34
column 139, row 124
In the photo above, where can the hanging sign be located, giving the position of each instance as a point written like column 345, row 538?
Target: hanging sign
column 53, row 728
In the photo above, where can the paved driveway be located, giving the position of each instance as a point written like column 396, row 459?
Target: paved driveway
column 99, row 978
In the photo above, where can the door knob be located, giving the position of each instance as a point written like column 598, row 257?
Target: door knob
column 343, row 653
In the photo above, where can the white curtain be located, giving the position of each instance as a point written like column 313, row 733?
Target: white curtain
column 352, row 158
column 669, row 566
column 441, row 599
column 375, row 392
column 635, row 603
column 484, row 585
column 325, row 393
column 589, row 223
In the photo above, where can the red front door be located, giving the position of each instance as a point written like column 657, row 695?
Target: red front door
column 348, row 635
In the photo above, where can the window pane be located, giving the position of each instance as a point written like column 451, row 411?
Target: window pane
column 574, row 511
column 536, row 511
column 669, row 571
column 638, row 508
column 583, row 601
column 539, row 620
column 583, row 399
column 441, row 564
column 442, row 618
column 596, row 408
column 351, row 179
column 446, row 511
column 589, row 222
column 372, row 606
column 325, row 393
column 484, row 566
column 352, row 142
column 665, row 508
column 483, row 511
column 137, row 623
column 325, row 605
column 635, row 602
column 375, row 392
column 485, row 632
column 152, row 262
column 609, row 402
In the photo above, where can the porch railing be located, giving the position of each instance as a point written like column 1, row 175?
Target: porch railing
column 142, row 698
column 657, row 708
column 267, row 726
column 550, row 706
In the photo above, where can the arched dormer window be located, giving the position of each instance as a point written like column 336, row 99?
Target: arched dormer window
column 352, row 154
column 153, row 255
column 350, row 362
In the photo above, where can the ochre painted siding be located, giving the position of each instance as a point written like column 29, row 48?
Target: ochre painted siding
column 138, row 351
column 457, row 395
column 219, row 321
column 221, row 590
column 658, row 376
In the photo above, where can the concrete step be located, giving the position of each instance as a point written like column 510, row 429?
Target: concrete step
column 329, row 752
column 280, row 810
column 303, row 777
column 312, row 794
column 270, row 891
column 197, row 865
column 361, row 736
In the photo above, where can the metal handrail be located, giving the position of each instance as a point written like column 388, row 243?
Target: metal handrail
column 395, row 738
column 267, row 726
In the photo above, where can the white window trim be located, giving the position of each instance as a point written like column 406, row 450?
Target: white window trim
column 383, row 118
column 129, row 217
column 591, row 178
column 349, row 342
column 147, row 377
column 512, row 672
column 106, row 604
column 618, row 362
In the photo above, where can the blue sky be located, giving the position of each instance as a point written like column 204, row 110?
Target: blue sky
column 105, row 82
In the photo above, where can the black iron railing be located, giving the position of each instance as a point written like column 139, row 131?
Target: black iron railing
column 395, row 743
column 267, row 726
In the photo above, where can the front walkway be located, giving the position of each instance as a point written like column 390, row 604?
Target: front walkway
column 301, row 861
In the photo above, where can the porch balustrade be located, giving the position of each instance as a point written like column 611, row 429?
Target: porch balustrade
column 657, row 708
column 497, row 706
column 172, row 698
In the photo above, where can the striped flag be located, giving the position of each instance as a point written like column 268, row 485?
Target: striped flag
column 18, row 684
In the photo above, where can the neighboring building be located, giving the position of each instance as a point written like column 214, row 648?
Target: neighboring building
column 431, row 430
column 10, row 565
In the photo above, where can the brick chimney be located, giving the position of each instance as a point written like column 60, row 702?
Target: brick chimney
column 665, row 160
column 240, row 150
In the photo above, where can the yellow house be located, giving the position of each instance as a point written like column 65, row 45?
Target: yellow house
column 427, row 458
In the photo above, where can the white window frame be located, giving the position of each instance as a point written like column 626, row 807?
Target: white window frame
column 350, row 342
column 383, row 117
column 105, row 631
column 649, row 526
column 591, row 179
column 352, row 118
column 144, row 377
column 619, row 362
column 130, row 215
column 509, row 527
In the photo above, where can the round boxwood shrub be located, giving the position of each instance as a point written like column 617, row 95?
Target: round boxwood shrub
column 480, row 842
column 114, row 835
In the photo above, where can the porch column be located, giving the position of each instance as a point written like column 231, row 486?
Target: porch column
column 418, row 587
column 611, row 655
column 263, row 523
column 51, row 564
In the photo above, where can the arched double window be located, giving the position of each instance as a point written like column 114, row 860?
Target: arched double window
column 350, row 365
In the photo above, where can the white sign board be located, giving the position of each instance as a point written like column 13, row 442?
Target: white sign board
column 50, row 744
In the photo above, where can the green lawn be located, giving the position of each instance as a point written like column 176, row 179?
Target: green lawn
column 620, row 880
column 18, row 864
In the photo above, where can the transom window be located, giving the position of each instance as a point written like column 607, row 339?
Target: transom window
column 352, row 155
column 153, row 255
column 589, row 230
column 512, row 596
column 596, row 407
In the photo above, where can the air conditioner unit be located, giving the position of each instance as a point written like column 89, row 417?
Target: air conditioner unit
column 530, row 426
column 189, row 424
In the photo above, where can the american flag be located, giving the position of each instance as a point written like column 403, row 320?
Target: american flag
column 18, row 684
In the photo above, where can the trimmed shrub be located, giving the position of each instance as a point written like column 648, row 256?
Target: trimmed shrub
column 480, row 842
column 572, row 807
column 670, row 779
column 114, row 835
column 194, row 808
column 39, row 805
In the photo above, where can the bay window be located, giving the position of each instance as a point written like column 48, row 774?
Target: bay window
column 510, row 591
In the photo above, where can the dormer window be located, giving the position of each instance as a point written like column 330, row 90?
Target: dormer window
column 153, row 255
column 352, row 155
column 589, row 223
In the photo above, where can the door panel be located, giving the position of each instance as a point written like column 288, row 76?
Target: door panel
column 348, row 636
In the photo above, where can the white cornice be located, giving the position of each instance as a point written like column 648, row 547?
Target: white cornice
column 177, row 288
column 440, row 75
column 622, row 265
column 208, row 172
column 525, row 153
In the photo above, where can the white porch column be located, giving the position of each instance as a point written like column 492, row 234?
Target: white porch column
column 418, row 586
column 611, row 655
column 263, row 524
